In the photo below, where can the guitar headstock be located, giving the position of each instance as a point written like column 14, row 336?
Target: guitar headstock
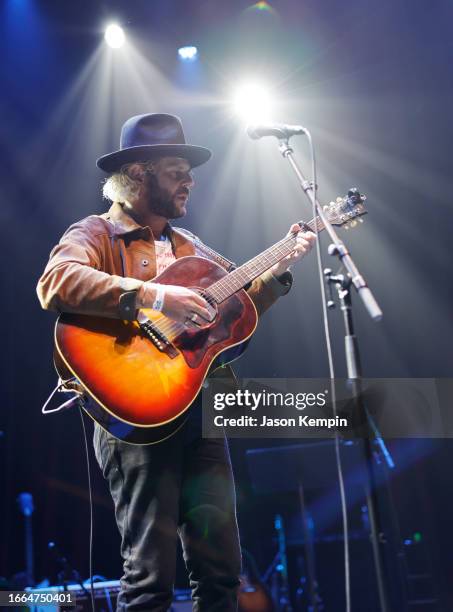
column 346, row 211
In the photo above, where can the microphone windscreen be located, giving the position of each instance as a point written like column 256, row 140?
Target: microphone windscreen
column 252, row 132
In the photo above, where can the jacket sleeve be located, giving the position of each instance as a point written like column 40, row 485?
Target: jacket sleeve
column 73, row 281
column 266, row 289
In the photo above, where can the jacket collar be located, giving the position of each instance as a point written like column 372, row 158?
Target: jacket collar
column 121, row 221
column 125, row 224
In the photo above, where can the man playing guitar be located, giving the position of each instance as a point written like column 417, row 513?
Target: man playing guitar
column 104, row 266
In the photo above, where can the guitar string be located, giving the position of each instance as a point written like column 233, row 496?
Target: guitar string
column 168, row 326
column 235, row 280
column 227, row 286
column 224, row 291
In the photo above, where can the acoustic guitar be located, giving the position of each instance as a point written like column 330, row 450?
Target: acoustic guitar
column 140, row 377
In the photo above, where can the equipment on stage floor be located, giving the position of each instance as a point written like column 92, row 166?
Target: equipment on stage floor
column 313, row 465
column 253, row 594
column 280, row 581
column 141, row 376
column 26, row 507
column 25, row 502
column 105, row 596
column 316, row 528
column 67, row 574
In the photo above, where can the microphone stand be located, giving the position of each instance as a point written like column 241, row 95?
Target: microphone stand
column 67, row 574
column 355, row 279
column 338, row 246
column 354, row 369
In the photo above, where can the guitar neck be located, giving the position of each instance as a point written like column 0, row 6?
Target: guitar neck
column 240, row 277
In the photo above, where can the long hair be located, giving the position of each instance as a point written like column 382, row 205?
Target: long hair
column 121, row 187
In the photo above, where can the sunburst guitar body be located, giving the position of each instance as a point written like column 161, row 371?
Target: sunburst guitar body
column 140, row 377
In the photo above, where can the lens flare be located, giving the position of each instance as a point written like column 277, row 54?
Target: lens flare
column 114, row 36
column 252, row 102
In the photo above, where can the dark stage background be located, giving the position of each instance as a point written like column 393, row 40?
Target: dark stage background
column 373, row 81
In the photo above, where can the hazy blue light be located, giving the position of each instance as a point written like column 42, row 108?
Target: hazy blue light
column 188, row 54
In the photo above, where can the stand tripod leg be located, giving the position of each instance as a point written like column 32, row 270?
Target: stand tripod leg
column 309, row 553
column 377, row 536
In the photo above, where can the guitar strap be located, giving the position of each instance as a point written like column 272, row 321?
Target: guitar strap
column 206, row 250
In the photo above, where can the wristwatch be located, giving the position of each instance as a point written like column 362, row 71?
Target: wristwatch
column 285, row 279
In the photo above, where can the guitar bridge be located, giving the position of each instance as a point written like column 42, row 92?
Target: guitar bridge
column 160, row 340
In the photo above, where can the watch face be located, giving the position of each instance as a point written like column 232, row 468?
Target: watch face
column 286, row 278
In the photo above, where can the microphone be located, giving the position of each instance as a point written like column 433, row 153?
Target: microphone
column 279, row 130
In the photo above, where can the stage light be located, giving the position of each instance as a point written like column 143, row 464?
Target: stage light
column 188, row 54
column 252, row 103
column 114, row 36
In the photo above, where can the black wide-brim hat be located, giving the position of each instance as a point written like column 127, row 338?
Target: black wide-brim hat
column 147, row 137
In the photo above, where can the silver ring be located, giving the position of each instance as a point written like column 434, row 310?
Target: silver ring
column 193, row 318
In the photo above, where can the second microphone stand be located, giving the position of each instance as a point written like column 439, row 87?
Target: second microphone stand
column 354, row 278
column 369, row 431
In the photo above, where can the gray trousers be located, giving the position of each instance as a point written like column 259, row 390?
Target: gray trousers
column 180, row 487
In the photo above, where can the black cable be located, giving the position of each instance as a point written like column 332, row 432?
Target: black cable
column 344, row 509
column 90, row 493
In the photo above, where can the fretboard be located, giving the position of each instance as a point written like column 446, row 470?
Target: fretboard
column 239, row 278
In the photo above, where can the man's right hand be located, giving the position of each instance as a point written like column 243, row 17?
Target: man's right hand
column 180, row 304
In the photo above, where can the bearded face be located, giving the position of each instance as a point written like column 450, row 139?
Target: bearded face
column 168, row 185
column 165, row 203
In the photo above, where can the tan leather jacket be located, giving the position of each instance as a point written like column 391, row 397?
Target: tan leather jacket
column 102, row 261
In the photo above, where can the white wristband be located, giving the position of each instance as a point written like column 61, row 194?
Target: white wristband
column 158, row 303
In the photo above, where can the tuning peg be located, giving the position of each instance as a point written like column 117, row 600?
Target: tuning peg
column 353, row 223
column 360, row 220
column 326, row 207
column 346, row 227
column 338, row 200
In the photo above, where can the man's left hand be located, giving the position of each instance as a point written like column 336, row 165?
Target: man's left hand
column 304, row 244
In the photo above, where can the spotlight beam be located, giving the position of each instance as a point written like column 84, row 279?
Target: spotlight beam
column 114, row 36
